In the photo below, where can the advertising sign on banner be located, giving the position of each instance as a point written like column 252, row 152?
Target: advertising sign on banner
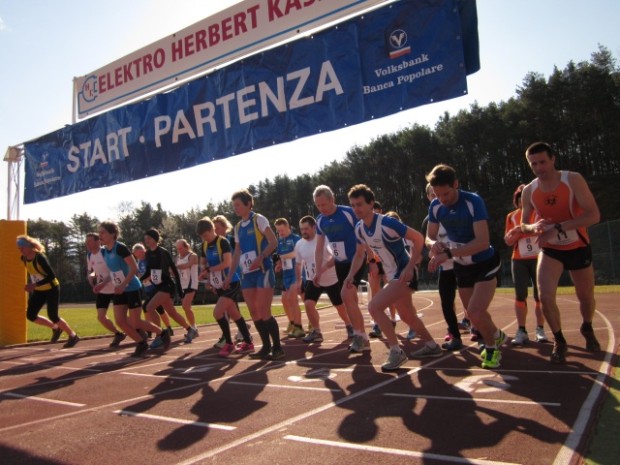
column 398, row 57
column 240, row 30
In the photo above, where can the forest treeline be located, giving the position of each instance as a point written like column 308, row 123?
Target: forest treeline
column 576, row 109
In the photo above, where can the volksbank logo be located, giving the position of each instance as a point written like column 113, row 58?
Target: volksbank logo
column 398, row 44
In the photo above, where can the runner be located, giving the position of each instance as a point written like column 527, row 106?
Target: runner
column 476, row 263
column 187, row 264
column 524, row 262
column 305, row 250
column 384, row 235
column 336, row 226
column 43, row 289
column 127, row 289
column 163, row 273
column 255, row 242
column 216, row 258
column 566, row 207
column 97, row 272
column 290, row 299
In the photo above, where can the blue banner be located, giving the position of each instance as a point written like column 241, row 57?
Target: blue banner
column 398, row 57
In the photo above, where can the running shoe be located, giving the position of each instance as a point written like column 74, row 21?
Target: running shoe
column 465, row 325
column 521, row 338
column 491, row 359
column 475, row 335
column 454, row 344
column 118, row 338
column 226, row 350
column 56, row 333
column 558, row 355
column 313, row 336
column 245, row 348
column 411, row 335
column 500, row 339
column 540, row 334
column 262, row 354
column 448, row 337
column 297, row 332
column 359, row 344
column 143, row 334
column 170, row 330
column 191, row 334
column 290, row 327
column 395, row 360
column 592, row 344
column 220, row 343
column 239, row 336
column 427, row 352
column 165, row 337
column 141, row 347
column 73, row 340
column 157, row 343
column 350, row 332
column 375, row 332
column 277, row 354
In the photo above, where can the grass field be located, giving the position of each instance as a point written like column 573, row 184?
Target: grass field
column 83, row 319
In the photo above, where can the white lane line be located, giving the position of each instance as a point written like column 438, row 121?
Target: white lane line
column 476, row 400
column 392, row 451
column 284, row 386
column 42, row 399
column 146, row 375
column 178, row 421
column 571, row 445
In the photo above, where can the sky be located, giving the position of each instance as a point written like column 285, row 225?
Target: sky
column 44, row 44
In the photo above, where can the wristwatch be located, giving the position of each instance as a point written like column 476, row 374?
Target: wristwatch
column 447, row 252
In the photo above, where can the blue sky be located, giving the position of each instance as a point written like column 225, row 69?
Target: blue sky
column 44, row 44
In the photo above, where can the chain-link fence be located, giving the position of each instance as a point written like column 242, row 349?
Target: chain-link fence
column 605, row 252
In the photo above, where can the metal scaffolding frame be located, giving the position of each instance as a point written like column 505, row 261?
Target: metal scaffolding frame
column 14, row 157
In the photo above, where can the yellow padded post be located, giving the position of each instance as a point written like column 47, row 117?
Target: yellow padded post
column 13, row 324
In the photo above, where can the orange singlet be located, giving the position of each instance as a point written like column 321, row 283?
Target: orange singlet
column 557, row 206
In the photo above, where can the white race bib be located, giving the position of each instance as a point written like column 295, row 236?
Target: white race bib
column 564, row 237
column 246, row 261
column 287, row 263
column 117, row 277
column 35, row 278
column 310, row 271
column 156, row 277
column 339, row 251
column 216, row 278
column 528, row 247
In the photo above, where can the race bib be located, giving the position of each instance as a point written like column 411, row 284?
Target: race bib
column 339, row 251
column 564, row 237
column 156, row 277
column 117, row 277
column 528, row 247
column 310, row 271
column 216, row 278
column 287, row 263
column 35, row 278
column 246, row 261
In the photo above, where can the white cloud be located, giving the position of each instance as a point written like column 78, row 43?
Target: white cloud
column 2, row 25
